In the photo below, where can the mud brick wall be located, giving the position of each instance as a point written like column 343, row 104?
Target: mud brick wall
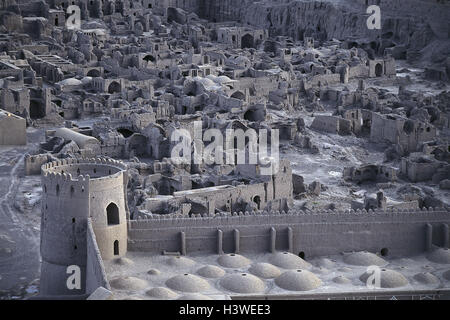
column 315, row 234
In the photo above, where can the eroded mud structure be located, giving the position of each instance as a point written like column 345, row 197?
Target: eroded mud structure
column 217, row 149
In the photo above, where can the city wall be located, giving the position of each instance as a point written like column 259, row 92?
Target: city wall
column 95, row 270
column 314, row 234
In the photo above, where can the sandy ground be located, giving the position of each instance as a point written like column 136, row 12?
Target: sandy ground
column 19, row 223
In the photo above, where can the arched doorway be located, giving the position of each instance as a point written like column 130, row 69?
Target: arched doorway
column 94, row 73
column 149, row 58
column 257, row 200
column 116, row 247
column 378, row 70
column 114, row 87
column 249, row 115
column 247, row 41
column 126, row 133
column 112, row 214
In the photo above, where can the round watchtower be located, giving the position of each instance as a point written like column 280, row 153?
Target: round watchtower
column 73, row 191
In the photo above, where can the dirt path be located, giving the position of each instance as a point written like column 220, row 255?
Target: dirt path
column 19, row 238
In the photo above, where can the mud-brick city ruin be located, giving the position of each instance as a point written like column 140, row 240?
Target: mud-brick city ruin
column 224, row 149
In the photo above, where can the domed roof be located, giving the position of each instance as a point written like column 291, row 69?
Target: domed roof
column 233, row 260
column 180, row 262
column 364, row 258
column 388, row 278
column 426, row 278
column 298, row 280
column 70, row 82
column 86, row 80
column 161, row 293
column 211, row 272
column 187, row 283
column 211, row 77
column 128, row 283
column 265, row 270
column 325, row 263
column 205, row 81
column 243, row 283
column 288, row 260
column 441, row 255
column 223, row 79
column 123, row 261
column 154, row 272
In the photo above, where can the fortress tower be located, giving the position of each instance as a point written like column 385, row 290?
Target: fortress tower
column 73, row 191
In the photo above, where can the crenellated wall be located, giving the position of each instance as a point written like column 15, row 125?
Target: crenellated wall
column 315, row 234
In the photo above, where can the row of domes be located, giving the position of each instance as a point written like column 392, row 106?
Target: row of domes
column 245, row 283
column 296, row 277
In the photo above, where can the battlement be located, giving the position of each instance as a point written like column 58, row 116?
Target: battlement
column 97, row 169
column 78, row 177
column 321, row 213
column 74, row 162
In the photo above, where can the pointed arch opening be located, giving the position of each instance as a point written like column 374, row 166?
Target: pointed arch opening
column 116, row 247
column 112, row 213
